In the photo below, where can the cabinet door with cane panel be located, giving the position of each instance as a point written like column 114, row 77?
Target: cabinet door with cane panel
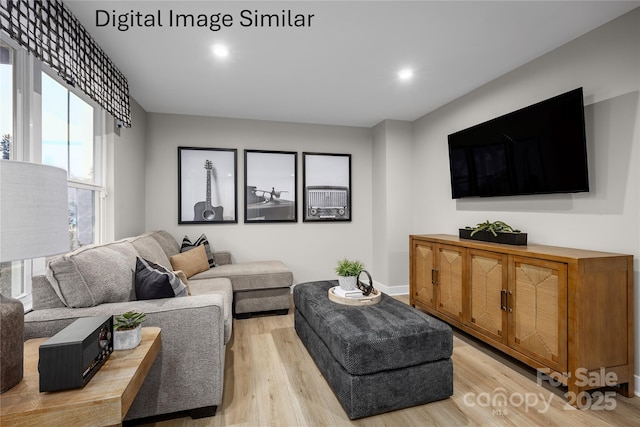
column 537, row 307
column 422, row 266
column 488, row 293
column 448, row 281
column 437, row 278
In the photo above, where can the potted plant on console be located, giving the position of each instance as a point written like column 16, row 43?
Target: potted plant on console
column 348, row 272
column 497, row 232
column 127, row 330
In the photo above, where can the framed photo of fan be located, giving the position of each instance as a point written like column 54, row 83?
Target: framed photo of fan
column 326, row 187
column 207, row 185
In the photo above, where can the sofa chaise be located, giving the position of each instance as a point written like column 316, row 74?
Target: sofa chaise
column 188, row 374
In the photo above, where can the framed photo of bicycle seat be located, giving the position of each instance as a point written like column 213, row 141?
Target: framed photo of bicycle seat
column 270, row 186
column 207, row 185
column 326, row 187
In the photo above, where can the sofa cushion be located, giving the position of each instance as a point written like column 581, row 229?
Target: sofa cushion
column 42, row 294
column 191, row 262
column 260, row 300
column 187, row 245
column 148, row 248
column 168, row 243
column 94, row 274
column 252, row 275
column 220, row 286
column 153, row 281
column 222, row 258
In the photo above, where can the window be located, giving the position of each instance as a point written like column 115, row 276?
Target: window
column 11, row 273
column 68, row 142
column 62, row 128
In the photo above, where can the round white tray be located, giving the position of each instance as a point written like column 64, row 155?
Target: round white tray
column 370, row 299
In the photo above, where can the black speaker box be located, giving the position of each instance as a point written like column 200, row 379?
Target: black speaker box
column 71, row 357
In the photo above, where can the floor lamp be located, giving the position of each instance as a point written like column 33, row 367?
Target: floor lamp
column 34, row 222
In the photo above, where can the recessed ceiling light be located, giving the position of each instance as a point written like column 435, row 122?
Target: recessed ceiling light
column 405, row 74
column 221, row 51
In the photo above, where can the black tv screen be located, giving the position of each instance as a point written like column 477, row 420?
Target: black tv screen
column 540, row 149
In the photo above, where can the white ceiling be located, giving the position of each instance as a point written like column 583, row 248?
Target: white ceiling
column 342, row 69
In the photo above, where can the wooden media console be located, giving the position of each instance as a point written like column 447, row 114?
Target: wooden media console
column 566, row 312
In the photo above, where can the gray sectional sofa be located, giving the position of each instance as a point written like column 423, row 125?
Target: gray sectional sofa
column 188, row 374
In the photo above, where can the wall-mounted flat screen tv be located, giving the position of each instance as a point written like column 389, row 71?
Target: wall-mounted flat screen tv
column 540, row 149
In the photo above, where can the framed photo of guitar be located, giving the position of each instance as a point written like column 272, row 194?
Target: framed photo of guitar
column 271, row 186
column 207, row 185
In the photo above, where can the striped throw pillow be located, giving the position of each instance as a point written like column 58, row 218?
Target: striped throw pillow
column 202, row 240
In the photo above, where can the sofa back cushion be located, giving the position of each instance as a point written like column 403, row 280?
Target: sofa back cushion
column 42, row 294
column 94, row 274
column 168, row 243
column 149, row 248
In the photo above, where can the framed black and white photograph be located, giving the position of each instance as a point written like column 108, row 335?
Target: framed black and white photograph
column 271, row 186
column 207, row 185
column 327, row 187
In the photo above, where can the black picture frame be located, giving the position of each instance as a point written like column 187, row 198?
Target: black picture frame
column 271, row 186
column 207, row 185
column 326, row 187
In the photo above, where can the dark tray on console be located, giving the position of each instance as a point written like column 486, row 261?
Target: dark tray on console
column 486, row 236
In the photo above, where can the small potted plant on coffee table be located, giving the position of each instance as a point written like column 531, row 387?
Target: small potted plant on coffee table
column 127, row 330
column 348, row 272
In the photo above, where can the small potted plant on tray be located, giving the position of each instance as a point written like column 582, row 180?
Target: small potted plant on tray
column 127, row 330
column 348, row 272
column 497, row 231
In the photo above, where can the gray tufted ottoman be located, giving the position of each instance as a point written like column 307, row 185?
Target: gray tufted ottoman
column 376, row 358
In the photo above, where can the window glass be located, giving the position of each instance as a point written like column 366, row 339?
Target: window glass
column 11, row 274
column 55, row 119
column 81, row 216
column 6, row 100
column 80, row 139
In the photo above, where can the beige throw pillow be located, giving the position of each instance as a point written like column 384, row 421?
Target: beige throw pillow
column 191, row 262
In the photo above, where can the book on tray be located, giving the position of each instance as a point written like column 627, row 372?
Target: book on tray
column 356, row 293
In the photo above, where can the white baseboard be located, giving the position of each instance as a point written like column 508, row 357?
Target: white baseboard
column 391, row 290
column 636, row 387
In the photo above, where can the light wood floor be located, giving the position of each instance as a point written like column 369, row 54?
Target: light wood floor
column 270, row 380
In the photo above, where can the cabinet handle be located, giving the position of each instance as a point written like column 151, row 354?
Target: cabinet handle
column 434, row 276
column 503, row 300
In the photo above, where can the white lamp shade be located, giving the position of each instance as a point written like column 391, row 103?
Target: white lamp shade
column 34, row 210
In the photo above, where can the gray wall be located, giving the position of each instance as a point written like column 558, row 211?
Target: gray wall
column 392, row 204
column 126, row 177
column 606, row 63
column 310, row 250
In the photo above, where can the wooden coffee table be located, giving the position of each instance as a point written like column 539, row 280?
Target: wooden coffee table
column 104, row 401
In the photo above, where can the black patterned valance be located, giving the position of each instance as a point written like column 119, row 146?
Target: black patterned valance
column 49, row 31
